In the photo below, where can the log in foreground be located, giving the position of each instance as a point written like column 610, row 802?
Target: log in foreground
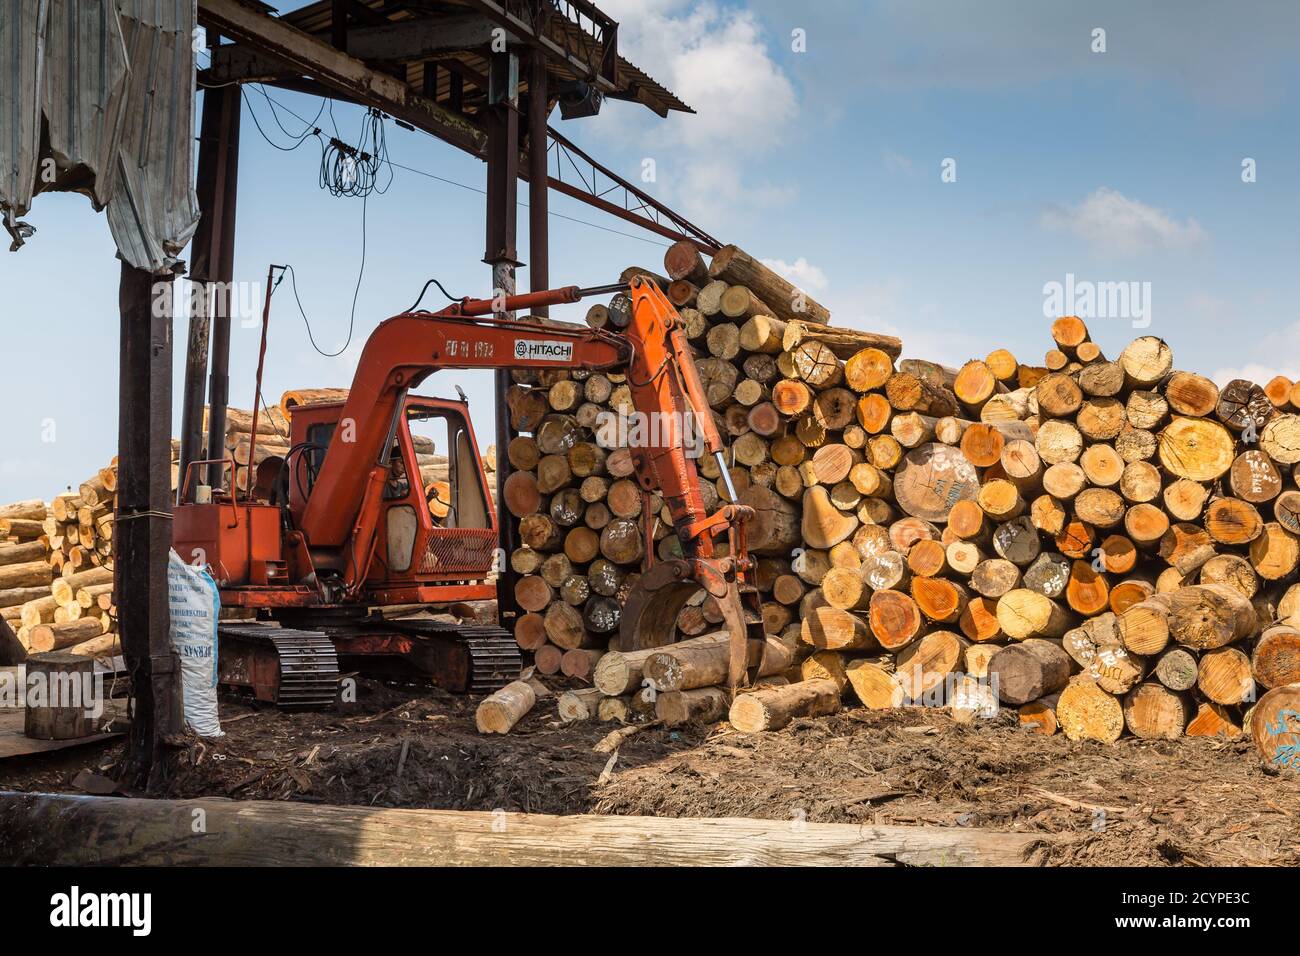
column 64, row 830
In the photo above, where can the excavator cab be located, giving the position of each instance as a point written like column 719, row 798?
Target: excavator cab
column 437, row 527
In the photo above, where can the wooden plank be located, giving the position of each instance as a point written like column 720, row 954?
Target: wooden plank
column 13, row 743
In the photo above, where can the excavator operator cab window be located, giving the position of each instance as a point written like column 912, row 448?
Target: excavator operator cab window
column 318, row 441
column 449, row 469
column 399, row 484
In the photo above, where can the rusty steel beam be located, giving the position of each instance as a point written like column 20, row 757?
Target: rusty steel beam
column 423, row 37
column 339, row 71
column 539, row 272
column 211, row 260
column 638, row 207
column 396, row 41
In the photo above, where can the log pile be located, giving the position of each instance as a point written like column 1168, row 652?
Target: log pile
column 774, row 373
column 56, row 569
column 1107, row 545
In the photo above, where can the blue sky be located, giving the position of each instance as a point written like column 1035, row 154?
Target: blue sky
column 1115, row 166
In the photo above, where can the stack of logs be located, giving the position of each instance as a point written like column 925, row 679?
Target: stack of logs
column 1101, row 544
column 581, row 514
column 56, row 569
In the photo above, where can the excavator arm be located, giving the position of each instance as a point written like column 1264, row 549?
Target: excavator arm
column 405, row 350
column 675, row 426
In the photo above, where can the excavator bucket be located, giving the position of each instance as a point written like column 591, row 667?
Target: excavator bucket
column 649, row 617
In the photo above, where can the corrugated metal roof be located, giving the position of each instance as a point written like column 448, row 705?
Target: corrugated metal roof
column 113, row 83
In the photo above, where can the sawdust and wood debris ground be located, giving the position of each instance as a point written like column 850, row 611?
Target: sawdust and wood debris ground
column 1193, row 801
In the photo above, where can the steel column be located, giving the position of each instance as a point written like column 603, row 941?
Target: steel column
column 214, row 152
column 143, row 529
column 502, row 123
column 539, row 277
column 214, row 249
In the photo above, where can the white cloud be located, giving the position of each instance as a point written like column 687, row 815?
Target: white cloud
column 1281, row 343
column 713, row 191
column 716, row 59
column 1255, row 372
column 801, row 272
column 1111, row 222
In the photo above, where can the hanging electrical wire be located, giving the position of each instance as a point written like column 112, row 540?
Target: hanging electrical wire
column 478, row 189
column 352, row 318
column 298, row 139
column 347, row 170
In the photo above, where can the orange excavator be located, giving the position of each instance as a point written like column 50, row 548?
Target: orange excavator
column 339, row 526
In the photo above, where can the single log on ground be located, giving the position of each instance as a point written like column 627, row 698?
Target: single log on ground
column 775, row 707
column 704, row 705
column 500, row 711
column 65, row 711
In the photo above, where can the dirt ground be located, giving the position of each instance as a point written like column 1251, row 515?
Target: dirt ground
column 1194, row 801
